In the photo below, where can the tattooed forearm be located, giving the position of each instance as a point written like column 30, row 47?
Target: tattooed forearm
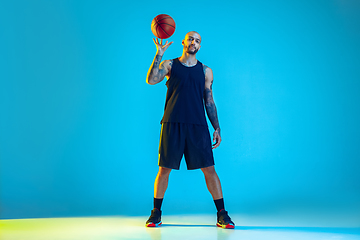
column 211, row 109
column 155, row 73
column 157, row 61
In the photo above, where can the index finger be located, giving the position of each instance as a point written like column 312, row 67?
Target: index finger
column 169, row 43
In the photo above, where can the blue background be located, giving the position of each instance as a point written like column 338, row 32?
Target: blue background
column 79, row 127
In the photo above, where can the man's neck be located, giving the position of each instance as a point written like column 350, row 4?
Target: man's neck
column 188, row 59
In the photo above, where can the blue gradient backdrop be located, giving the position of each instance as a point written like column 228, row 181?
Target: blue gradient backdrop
column 79, row 127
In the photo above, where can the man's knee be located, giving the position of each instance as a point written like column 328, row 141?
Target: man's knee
column 164, row 171
column 209, row 170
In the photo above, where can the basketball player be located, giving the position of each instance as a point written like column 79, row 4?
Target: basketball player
column 184, row 129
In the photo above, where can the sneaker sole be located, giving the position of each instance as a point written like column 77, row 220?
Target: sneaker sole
column 153, row 224
column 229, row 226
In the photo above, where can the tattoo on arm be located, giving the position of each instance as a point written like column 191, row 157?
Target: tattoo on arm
column 157, row 60
column 211, row 108
column 156, row 74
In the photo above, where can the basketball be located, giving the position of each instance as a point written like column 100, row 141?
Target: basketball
column 163, row 26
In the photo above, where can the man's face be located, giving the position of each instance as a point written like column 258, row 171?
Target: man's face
column 192, row 42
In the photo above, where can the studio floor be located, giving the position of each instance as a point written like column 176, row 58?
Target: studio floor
column 176, row 227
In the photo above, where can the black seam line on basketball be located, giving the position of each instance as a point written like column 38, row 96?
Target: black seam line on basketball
column 157, row 21
column 164, row 30
column 157, row 25
column 168, row 24
column 164, row 18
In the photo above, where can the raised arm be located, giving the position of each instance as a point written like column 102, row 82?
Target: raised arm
column 158, row 70
column 210, row 106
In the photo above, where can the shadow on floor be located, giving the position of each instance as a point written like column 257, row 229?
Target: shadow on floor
column 187, row 225
column 355, row 231
column 304, row 229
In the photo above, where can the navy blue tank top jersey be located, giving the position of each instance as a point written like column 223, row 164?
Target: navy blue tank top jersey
column 184, row 97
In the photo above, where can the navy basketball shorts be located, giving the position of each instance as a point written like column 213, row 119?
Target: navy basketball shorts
column 191, row 140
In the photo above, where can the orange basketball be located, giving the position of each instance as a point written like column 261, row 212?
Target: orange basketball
column 163, row 26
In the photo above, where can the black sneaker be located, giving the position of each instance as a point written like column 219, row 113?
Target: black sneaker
column 223, row 220
column 154, row 219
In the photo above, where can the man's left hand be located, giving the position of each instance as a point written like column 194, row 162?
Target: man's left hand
column 216, row 138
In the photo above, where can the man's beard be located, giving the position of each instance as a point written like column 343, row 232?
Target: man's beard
column 192, row 52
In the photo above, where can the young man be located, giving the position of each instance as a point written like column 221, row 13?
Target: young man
column 184, row 129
